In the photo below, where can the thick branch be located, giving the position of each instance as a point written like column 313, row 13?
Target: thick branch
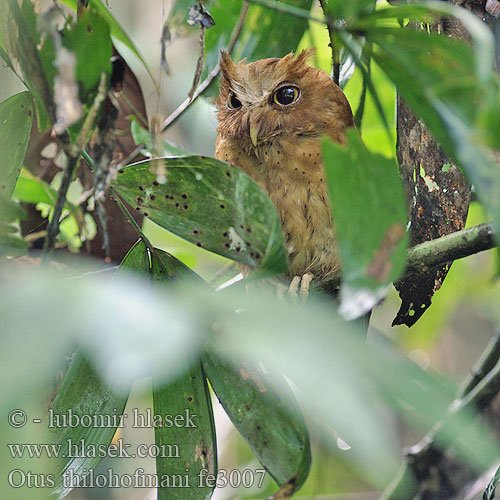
column 441, row 250
column 451, row 247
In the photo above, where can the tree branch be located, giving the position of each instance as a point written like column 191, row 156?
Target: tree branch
column 451, row 247
column 440, row 251
column 211, row 76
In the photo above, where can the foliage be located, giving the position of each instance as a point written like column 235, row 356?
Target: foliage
column 273, row 366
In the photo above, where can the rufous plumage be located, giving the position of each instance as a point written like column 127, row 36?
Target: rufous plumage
column 272, row 115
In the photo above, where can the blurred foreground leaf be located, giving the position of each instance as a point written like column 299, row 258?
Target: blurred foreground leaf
column 211, row 204
column 86, row 396
column 369, row 210
column 261, row 406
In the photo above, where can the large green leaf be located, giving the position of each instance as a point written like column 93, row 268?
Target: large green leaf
column 84, row 392
column 84, row 395
column 188, row 440
column 16, row 116
column 117, row 32
column 369, row 213
column 90, row 35
column 261, row 406
column 31, row 58
column 211, row 204
column 263, row 409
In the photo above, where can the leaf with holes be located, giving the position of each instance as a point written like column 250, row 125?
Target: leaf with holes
column 265, row 412
column 369, row 210
column 188, row 439
column 211, row 204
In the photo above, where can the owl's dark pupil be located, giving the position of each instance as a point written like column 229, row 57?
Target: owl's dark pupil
column 286, row 95
column 234, row 102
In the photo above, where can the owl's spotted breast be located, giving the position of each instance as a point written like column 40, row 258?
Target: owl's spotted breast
column 295, row 183
column 272, row 114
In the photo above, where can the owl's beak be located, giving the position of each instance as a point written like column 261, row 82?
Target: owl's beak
column 254, row 133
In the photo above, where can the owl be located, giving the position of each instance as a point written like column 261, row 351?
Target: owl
column 272, row 114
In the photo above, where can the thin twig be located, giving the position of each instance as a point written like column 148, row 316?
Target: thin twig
column 53, row 227
column 331, row 34
column 73, row 151
column 211, row 76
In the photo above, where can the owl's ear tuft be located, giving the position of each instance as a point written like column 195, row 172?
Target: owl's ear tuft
column 226, row 64
column 305, row 55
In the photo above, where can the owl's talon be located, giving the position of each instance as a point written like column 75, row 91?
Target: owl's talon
column 293, row 288
column 304, row 285
column 301, row 283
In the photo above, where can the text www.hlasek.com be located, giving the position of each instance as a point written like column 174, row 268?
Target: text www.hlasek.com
column 80, row 449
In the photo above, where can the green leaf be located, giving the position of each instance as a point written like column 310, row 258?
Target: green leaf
column 340, row 9
column 83, row 394
column 211, row 204
column 9, row 210
column 30, row 189
column 263, row 409
column 16, row 117
column 117, row 32
column 31, row 57
column 188, row 440
column 90, row 35
column 11, row 243
column 186, row 437
column 369, row 210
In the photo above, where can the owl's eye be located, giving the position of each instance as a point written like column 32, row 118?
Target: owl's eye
column 233, row 102
column 286, row 95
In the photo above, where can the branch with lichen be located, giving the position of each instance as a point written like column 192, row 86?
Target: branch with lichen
column 442, row 250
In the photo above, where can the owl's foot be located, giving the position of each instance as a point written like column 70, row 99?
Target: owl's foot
column 304, row 282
